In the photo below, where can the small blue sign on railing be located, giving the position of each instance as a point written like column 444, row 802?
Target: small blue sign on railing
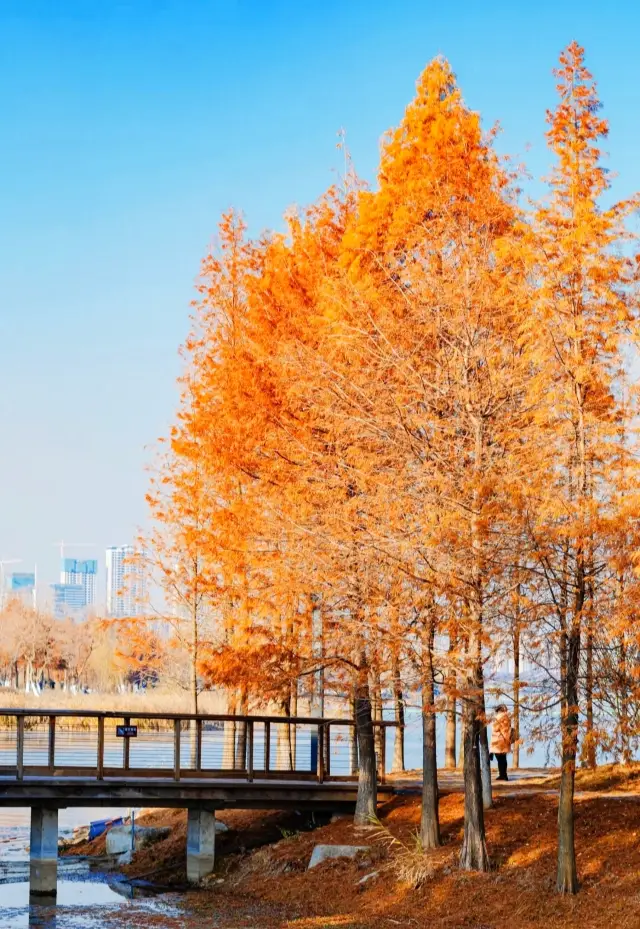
column 127, row 732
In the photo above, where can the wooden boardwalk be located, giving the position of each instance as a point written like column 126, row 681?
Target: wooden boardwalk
column 106, row 758
column 51, row 759
column 217, row 794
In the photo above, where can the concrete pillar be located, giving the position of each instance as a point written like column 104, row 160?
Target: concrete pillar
column 43, row 869
column 201, row 844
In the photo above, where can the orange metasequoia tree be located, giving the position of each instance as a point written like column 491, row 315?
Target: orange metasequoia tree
column 310, row 488
column 432, row 312
column 584, row 310
column 398, row 449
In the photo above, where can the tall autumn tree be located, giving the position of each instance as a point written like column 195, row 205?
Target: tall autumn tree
column 196, row 498
column 431, row 311
column 585, row 308
column 310, row 486
column 174, row 553
column 401, row 415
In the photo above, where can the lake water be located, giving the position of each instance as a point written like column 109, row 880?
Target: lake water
column 85, row 899
column 155, row 749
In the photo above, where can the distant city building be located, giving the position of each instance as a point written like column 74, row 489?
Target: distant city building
column 81, row 574
column 125, row 582
column 68, row 600
column 21, row 581
column 76, row 592
column 22, row 585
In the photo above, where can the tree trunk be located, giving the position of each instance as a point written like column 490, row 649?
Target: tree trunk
column 194, row 691
column 229, row 737
column 353, row 735
column 460, row 765
column 567, row 876
column 194, row 663
column 485, row 764
column 376, row 709
column 399, row 716
column 473, row 855
column 367, row 800
column 623, row 715
column 241, row 731
column 292, row 735
column 516, row 690
column 463, row 719
column 430, row 821
column 589, row 739
column 450, row 725
column 450, row 734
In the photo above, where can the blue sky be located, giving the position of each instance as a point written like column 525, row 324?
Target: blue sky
column 127, row 127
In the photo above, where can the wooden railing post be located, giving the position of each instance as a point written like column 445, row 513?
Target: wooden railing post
column 20, row 747
column 176, row 748
column 126, row 746
column 320, row 758
column 198, row 745
column 267, row 747
column 52, row 744
column 382, row 774
column 326, row 752
column 250, row 750
column 100, row 748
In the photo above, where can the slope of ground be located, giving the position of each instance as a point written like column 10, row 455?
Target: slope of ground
column 273, row 883
column 164, row 861
column 609, row 777
column 518, row 894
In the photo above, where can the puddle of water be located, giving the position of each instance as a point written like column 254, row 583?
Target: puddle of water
column 70, row 893
column 86, row 898
column 82, row 905
column 17, row 912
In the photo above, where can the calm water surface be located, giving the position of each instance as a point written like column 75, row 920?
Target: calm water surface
column 86, row 899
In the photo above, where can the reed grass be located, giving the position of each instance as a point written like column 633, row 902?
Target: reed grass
column 154, row 701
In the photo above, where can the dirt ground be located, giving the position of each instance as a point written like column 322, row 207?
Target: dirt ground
column 611, row 777
column 273, row 883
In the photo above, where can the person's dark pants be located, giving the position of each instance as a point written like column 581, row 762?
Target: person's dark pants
column 501, row 758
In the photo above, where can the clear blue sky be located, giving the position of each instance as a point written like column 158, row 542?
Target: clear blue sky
column 127, row 127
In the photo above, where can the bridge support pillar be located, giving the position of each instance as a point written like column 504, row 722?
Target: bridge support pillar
column 43, row 865
column 201, row 844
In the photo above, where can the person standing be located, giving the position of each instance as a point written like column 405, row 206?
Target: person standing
column 501, row 739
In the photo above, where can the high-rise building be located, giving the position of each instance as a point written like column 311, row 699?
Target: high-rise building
column 22, row 586
column 76, row 591
column 68, row 600
column 83, row 574
column 125, row 582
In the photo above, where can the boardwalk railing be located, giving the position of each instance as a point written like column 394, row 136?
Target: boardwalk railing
column 107, row 745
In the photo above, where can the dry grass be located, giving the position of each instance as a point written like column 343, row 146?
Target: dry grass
column 261, row 864
column 153, row 701
column 410, row 864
